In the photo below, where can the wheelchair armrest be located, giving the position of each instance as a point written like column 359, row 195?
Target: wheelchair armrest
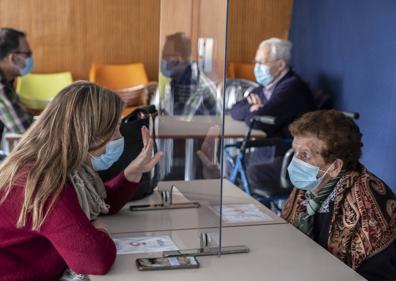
column 269, row 142
column 285, row 183
column 352, row 115
column 265, row 119
column 262, row 143
column 282, row 145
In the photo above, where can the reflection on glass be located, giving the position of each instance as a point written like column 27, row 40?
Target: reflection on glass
column 188, row 91
column 190, row 102
column 208, row 154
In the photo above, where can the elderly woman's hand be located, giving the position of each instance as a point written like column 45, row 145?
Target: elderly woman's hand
column 145, row 161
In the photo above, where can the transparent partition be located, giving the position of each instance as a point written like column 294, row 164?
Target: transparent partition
column 193, row 189
column 190, row 102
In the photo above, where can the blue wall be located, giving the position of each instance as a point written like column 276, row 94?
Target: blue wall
column 348, row 49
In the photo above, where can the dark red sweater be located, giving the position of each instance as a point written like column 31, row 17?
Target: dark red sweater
column 67, row 237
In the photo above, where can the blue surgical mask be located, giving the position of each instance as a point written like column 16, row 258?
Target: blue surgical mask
column 304, row 175
column 28, row 66
column 166, row 69
column 113, row 152
column 173, row 68
column 263, row 74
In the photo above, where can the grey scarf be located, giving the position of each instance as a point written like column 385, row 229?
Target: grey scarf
column 90, row 191
column 91, row 194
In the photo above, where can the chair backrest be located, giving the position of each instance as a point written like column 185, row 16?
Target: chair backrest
column 284, row 180
column 241, row 71
column 36, row 90
column 323, row 100
column 119, row 76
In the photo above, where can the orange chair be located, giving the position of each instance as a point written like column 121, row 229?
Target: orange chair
column 130, row 81
column 241, row 71
column 119, row 76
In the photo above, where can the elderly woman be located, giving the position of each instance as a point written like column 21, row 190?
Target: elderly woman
column 336, row 200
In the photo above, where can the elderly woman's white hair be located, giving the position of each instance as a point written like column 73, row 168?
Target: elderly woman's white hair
column 280, row 49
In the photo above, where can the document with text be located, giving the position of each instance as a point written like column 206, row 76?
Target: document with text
column 144, row 244
column 242, row 213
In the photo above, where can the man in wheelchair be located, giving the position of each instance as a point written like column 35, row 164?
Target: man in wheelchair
column 281, row 94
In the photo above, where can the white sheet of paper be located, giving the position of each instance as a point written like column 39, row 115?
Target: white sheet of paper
column 144, row 244
column 240, row 213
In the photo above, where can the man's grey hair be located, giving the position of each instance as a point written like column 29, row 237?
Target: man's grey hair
column 280, row 49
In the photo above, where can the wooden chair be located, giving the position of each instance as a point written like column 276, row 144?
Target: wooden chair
column 241, row 71
column 130, row 81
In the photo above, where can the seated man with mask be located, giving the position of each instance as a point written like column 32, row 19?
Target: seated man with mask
column 336, row 201
column 190, row 92
column 281, row 94
column 15, row 60
column 187, row 92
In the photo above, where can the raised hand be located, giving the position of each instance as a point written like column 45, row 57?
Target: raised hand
column 207, row 154
column 145, row 161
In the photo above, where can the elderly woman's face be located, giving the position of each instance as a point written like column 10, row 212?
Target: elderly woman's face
column 308, row 149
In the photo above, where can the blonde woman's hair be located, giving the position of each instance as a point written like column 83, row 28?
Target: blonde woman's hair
column 82, row 117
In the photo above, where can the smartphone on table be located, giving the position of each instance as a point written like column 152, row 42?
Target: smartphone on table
column 163, row 263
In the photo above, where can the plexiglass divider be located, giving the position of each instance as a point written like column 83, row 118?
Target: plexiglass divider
column 190, row 102
column 190, row 130
column 193, row 191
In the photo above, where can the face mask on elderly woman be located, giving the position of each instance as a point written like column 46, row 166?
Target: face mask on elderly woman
column 304, row 175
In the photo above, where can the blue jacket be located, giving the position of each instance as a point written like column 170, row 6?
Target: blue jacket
column 291, row 97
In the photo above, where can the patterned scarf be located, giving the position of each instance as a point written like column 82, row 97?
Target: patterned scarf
column 313, row 201
column 363, row 219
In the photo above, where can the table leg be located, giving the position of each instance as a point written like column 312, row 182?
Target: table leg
column 190, row 167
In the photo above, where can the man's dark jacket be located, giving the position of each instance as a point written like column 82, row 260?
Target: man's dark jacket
column 291, row 97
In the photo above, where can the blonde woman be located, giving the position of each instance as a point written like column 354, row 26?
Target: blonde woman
column 49, row 191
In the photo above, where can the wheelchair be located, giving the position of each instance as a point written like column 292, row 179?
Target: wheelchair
column 272, row 197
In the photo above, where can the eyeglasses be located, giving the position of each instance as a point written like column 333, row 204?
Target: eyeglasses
column 27, row 53
column 262, row 62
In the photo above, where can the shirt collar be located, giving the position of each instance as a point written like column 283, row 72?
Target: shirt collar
column 272, row 85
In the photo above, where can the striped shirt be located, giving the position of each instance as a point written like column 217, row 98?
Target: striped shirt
column 192, row 94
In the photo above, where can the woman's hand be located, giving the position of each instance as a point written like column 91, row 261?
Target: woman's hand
column 100, row 226
column 144, row 162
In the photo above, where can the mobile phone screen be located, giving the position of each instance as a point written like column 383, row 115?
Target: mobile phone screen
column 176, row 262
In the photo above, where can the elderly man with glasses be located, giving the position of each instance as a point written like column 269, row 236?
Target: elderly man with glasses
column 281, row 93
